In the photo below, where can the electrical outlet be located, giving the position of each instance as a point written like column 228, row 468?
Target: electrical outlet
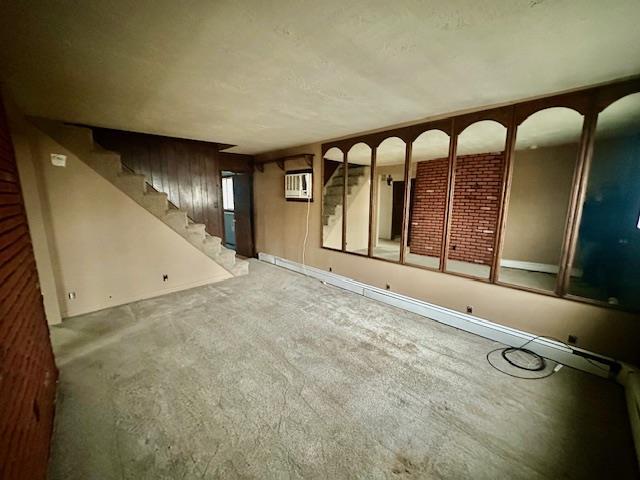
column 572, row 339
column 469, row 309
column 165, row 277
column 72, row 295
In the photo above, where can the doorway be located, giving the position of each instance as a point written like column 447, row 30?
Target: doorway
column 398, row 205
column 237, row 212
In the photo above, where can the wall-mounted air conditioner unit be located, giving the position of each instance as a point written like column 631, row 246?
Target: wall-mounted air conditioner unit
column 298, row 185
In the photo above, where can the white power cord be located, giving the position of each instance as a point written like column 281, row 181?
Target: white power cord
column 306, row 235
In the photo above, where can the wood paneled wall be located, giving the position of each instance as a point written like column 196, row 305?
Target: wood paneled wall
column 27, row 370
column 188, row 171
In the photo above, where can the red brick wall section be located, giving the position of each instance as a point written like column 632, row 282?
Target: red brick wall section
column 478, row 180
column 27, row 370
column 476, row 203
column 429, row 204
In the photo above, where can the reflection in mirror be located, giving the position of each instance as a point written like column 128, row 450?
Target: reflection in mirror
column 476, row 198
column 546, row 150
column 333, row 186
column 607, row 259
column 358, row 196
column 389, row 198
column 429, row 171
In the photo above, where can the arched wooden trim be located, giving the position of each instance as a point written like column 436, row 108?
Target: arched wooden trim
column 499, row 115
column 389, row 138
column 326, row 147
column 578, row 101
column 610, row 94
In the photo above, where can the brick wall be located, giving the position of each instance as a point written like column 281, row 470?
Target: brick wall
column 429, row 203
column 476, row 203
column 27, row 370
column 478, row 182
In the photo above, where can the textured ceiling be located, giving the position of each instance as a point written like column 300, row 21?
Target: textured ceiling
column 272, row 74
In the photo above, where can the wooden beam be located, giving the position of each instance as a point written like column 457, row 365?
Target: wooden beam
column 307, row 157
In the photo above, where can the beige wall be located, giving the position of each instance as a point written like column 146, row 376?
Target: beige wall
column 93, row 239
column 280, row 228
column 540, row 190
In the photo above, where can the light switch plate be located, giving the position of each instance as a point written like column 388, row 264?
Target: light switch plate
column 58, row 160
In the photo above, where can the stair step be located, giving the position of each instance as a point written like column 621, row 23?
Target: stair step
column 240, row 268
column 197, row 228
column 107, row 163
column 176, row 219
column 226, row 258
column 212, row 245
column 132, row 184
column 156, row 203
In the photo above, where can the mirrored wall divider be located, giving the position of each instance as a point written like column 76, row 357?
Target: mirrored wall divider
column 345, row 183
column 577, row 199
column 406, row 200
column 588, row 102
column 373, row 205
column 448, row 209
column 507, row 176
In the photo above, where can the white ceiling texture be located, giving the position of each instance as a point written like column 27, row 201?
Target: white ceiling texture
column 265, row 75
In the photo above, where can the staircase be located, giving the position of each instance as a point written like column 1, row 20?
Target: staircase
column 79, row 141
column 333, row 190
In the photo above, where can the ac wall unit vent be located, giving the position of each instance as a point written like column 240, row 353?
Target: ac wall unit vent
column 298, row 185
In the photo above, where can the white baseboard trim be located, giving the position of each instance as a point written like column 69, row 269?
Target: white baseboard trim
column 509, row 336
column 536, row 267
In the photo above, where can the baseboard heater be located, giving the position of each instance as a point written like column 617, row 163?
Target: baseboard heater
column 567, row 355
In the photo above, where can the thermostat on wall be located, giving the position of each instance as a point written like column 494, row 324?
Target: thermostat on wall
column 58, row 160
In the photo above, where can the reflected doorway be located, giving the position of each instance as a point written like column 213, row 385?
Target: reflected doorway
column 237, row 213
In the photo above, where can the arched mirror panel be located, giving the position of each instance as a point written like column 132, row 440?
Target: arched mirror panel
column 479, row 170
column 388, row 198
column 358, row 197
column 606, row 263
column 428, row 173
column 332, row 198
column 543, row 165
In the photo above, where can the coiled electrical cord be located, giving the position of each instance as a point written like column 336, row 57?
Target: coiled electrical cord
column 542, row 363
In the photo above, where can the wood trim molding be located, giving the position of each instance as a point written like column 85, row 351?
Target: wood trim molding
column 448, row 210
column 280, row 161
column 574, row 213
column 373, row 207
column 507, row 176
column 406, row 199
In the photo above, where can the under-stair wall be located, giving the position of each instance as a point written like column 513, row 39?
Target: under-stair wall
column 108, row 249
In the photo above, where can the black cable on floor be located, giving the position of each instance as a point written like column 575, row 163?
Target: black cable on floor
column 506, row 350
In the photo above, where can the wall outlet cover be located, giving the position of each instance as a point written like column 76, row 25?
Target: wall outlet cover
column 58, row 160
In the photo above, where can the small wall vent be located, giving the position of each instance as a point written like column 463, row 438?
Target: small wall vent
column 298, row 185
